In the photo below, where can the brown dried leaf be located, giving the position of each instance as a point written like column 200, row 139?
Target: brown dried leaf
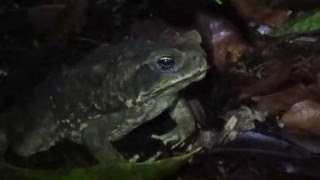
column 278, row 74
column 282, row 101
column 221, row 40
column 306, row 70
column 303, row 115
column 282, row 66
column 261, row 11
column 198, row 112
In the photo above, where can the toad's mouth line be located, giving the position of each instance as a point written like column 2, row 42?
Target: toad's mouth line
column 190, row 78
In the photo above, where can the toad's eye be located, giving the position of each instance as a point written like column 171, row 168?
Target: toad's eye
column 166, row 63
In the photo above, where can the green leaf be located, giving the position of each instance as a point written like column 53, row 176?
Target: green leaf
column 146, row 170
column 305, row 23
column 218, row 2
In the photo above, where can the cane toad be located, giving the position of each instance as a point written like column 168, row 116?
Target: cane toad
column 108, row 94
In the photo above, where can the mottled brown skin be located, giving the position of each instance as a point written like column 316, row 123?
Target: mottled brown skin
column 107, row 95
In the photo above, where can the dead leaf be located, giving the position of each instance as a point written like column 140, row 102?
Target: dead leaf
column 283, row 100
column 303, row 115
column 198, row 112
column 222, row 42
column 262, row 12
column 278, row 74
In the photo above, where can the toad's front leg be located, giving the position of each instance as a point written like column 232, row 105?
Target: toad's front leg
column 109, row 128
column 98, row 144
column 183, row 116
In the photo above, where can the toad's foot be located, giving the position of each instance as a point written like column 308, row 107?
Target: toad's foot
column 176, row 137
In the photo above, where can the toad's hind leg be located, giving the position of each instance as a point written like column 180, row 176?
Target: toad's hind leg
column 29, row 132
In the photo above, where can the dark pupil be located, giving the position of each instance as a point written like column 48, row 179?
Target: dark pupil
column 166, row 62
